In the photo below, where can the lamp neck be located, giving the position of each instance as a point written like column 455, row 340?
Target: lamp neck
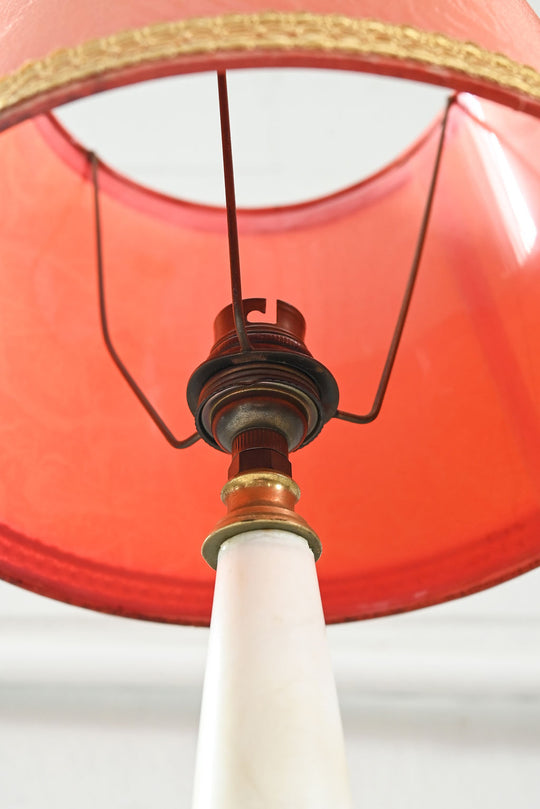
column 259, row 449
column 259, row 494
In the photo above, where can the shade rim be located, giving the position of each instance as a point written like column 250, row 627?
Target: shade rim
column 265, row 39
column 207, row 217
column 48, row 571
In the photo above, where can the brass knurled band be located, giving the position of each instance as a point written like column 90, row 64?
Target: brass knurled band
column 250, row 480
column 268, row 504
column 274, row 31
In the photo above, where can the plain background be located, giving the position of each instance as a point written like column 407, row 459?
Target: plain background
column 440, row 707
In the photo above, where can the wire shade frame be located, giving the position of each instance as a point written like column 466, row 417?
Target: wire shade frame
column 435, row 499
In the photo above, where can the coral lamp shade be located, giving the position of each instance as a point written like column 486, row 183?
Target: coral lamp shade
column 440, row 496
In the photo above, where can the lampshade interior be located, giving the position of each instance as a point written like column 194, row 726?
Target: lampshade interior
column 164, row 134
column 437, row 498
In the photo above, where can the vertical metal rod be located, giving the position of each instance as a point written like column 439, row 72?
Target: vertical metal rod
column 232, row 225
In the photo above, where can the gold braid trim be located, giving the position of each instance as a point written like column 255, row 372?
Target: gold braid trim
column 274, row 31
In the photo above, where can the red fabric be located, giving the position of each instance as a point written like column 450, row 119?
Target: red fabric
column 34, row 30
column 437, row 498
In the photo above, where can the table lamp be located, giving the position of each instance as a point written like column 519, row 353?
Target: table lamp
column 377, row 346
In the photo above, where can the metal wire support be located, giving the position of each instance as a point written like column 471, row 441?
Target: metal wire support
column 150, row 409
column 232, row 224
column 409, row 289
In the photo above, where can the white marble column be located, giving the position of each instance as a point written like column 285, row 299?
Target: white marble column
column 270, row 732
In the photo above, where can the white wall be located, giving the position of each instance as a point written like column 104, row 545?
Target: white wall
column 441, row 708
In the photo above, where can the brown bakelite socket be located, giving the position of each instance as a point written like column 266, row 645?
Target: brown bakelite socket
column 260, row 449
column 276, row 385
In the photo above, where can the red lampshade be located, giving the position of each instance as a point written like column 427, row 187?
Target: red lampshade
column 435, row 499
